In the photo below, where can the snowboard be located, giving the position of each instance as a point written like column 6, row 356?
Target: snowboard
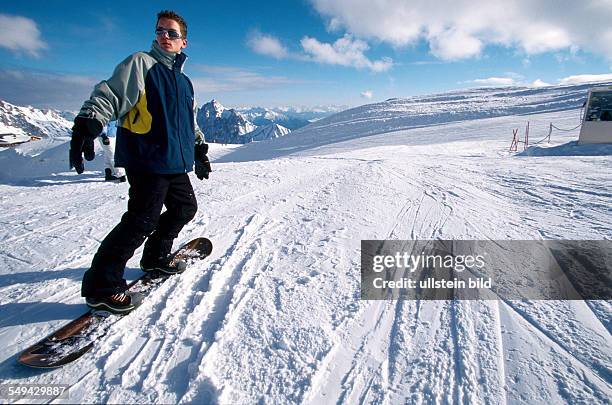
column 76, row 338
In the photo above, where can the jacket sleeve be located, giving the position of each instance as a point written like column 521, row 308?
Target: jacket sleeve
column 113, row 98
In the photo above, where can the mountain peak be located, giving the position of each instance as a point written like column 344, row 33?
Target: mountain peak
column 32, row 121
column 223, row 125
column 270, row 131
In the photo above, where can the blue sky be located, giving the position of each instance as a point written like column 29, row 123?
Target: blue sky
column 308, row 52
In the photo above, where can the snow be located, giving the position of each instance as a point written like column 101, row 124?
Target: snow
column 274, row 314
column 270, row 131
column 223, row 125
column 290, row 117
column 7, row 139
column 572, row 148
column 32, row 121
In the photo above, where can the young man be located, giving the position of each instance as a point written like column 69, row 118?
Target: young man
column 153, row 101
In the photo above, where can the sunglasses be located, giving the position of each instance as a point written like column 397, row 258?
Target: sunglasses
column 172, row 34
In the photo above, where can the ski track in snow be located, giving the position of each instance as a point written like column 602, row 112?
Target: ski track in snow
column 274, row 314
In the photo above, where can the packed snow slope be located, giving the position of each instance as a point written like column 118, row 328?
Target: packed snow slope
column 274, row 315
column 420, row 111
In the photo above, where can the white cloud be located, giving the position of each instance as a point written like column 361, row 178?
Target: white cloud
column 345, row 51
column 453, row 44
column 20, row 34
column 494, row 81
column 540, row 83
column 514, row 79
column 367, row 94
column 579, row 79
column 265, row 44
column 45, row 89
column 228, row 78
column 457, row 29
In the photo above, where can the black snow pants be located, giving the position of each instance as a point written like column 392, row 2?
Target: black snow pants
column 147, row 196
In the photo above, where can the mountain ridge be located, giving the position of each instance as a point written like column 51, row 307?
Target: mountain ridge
column 31, row 121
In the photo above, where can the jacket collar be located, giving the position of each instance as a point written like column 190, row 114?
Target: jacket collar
column 169, row 59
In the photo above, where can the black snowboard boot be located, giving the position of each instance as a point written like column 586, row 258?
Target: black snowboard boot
column 109, row 176
column 163, row 264
column 121, row 303
column 157, row 257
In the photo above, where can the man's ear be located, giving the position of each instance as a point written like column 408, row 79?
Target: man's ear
column 184, row 45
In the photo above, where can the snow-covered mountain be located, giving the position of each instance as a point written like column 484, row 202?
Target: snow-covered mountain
column 69, row 115
column 222, row 125
column 264, row 116
column 30, row 121
column 274, row 315
column 422, row 111
column 459, row 105
column 289, row 117
column 270, row 131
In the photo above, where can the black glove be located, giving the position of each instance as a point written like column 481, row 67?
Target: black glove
column 202, row 164
column 84, row 131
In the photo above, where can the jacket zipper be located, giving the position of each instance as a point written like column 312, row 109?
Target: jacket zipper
column 178, row 118
column 136, row 117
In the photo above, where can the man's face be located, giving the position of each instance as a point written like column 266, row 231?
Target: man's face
column 166, row 43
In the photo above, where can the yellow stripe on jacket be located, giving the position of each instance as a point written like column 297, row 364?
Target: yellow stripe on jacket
column 138, row 119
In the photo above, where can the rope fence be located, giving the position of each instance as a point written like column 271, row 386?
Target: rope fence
column 516, row 139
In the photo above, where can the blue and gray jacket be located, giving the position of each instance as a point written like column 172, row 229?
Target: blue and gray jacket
column 153, row 101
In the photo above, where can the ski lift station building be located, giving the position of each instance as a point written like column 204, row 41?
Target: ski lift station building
column 597, row 120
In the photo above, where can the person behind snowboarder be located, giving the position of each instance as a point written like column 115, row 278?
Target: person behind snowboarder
column 111, row 172
column 157, row 143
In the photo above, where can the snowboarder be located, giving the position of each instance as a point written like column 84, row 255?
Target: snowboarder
column 153, row 101
column 111, row 172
